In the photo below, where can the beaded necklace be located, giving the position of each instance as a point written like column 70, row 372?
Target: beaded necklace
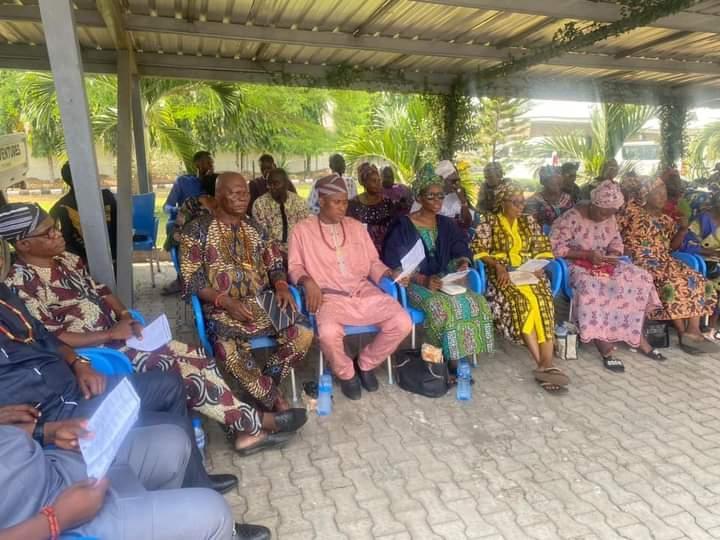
column 339, row 254
column 23, row 320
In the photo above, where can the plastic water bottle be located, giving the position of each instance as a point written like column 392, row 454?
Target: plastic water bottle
column 464, row 389
column 199, row 436
column 324, row 402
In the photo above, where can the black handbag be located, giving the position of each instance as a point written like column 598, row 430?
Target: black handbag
column 657, row 334
column 419, row 377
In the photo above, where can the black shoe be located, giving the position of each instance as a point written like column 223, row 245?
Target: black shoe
column 368, row 380
column 245, row 531
column 273, row 440
column 290, row 420
column 351, row 388
column 222, row 483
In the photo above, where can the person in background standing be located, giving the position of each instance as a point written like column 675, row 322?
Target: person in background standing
column 550, row 202
column 279, row 210
column 398, row 193
column 494, row 179
column 65, row 212
column 609, row 171
column 371, row 208
column 337, row 166
column 569, row 178
column 189, row 185
column 260, row 185
column 185, row 187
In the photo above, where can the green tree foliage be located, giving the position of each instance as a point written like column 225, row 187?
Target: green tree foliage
column 184, row 116
column 611, row 125
column 704, row 150
column 401, row 133
column 502, row 129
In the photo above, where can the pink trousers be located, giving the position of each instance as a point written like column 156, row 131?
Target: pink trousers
column 375, row 308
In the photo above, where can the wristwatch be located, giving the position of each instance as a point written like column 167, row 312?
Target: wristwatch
column 79, row 360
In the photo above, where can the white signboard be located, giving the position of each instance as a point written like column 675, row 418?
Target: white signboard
column 14, row 159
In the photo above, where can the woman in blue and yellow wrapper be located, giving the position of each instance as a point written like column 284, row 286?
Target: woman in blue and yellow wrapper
column 505, row 239
column 460, row 324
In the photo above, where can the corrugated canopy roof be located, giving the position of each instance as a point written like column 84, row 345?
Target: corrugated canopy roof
column 394, row 44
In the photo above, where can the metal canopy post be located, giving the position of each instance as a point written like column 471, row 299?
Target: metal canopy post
column 67, row 69
column 124, row 180
column 138, row 116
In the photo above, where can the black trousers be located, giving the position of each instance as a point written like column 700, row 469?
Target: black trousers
column 162, row 401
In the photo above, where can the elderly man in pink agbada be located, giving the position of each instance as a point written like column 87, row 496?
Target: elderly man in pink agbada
column 333, row 258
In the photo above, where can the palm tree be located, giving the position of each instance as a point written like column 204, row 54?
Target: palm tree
column 611, row 125
column 170, row 108
column 400, row 133
column 704, row 148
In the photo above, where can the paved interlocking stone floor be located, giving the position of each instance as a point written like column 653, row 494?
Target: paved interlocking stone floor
column 634, row 455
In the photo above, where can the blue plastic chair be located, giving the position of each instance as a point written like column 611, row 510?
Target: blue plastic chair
column 702, row 264
column 476, row 282
column 387, row 286
column 175, row 256
column 554, row 271
column 689, row 259
column 261, row 342
column 145, row 228
column 110, row 362
column 75, row 536
column 107, row 361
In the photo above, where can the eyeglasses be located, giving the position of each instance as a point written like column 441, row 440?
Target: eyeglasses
column 56, row 228
column 517, row 203
column 433, row 196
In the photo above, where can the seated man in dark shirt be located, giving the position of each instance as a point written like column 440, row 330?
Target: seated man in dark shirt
column 47, row 491
column 65, row 211
column 36, row 368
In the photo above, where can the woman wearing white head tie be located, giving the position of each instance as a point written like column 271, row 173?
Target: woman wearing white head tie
column 455, row 205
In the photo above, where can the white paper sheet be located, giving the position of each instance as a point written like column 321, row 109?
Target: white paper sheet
column 110, row 424
column 154, row 335
column 412, row 260
column 533, row 265
column 523, row 278
column 455, row 276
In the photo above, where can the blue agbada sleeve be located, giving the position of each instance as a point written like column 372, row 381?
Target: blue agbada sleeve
column 398, row 241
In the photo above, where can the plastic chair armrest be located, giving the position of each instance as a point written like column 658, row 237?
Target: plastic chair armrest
column 480, row 286
column 389, row 286
column 135, row 314
column 687, row 258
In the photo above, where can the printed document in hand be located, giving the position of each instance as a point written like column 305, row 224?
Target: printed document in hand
column 412, row 260
column 154, row 335
column 455, row 276
column 533, row 265
column 110, row 424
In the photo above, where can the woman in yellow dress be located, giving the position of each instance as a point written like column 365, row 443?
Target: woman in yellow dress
column 504, row 240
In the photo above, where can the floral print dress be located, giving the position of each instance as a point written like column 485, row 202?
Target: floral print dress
column 376, row 217
column 609, row 304
column 684, row 293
